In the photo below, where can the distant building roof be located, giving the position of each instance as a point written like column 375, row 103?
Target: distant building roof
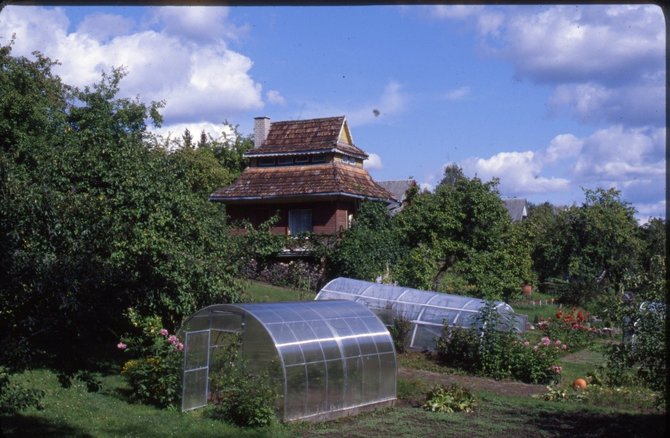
column 516, row 208
column 291, row 182
column 398, row 188
column 308, row 137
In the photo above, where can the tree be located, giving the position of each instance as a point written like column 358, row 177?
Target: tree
column 593, row 247
column 94, row 220
column 461, row 240
column 369, row 247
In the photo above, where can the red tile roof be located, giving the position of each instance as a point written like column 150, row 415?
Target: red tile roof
column 306, row 136
column 283, row 182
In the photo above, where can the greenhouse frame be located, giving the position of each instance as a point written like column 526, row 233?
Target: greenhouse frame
column 327, row 358
column 427, row 311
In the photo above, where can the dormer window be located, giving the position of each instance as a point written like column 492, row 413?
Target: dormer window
column 301, row 160
column 319, row 159
column 266, row 162
column 285, row 161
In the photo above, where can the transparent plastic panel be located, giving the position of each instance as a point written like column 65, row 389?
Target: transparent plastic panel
column 197, row 322
column 195, row 390
column 196, row 346
column 425, row 337
column 226, row 321
column 371, row 378
column 291, row 354
column 353, row 382
column 317, row 393
column 387, row 376
column 336, row 384
column 312, row 351
column 257, row 347
column 296, row 391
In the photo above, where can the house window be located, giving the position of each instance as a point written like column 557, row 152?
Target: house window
column 319, row 159
column 301, row 160
column 285, row 161
column 265, row 162
column 299, row 221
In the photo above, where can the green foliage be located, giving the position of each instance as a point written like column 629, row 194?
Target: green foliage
column 500, row 354
column 15, row 397
column 454, row 398
column 94, row 219
column 241, row 395
column 155, row 372
column 368, row 248
column 572, row 327
column 593, row 247
column 400, row 329
column 461, row 236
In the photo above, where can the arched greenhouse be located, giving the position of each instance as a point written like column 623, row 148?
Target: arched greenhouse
column 329, row 358
column 427, row 311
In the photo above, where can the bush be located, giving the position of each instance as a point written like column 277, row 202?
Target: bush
column 571, row 326
column 454, row 398
column 155, row 374
column 241, row 396
column 500, row 354
column 14, row 397
column 399, row 330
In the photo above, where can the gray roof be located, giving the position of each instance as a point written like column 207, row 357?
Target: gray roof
column 397, row 188
column 516, row 208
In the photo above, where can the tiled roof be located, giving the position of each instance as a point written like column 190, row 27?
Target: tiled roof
column 258, row 183
column 398, row 188
column 303, row 136
column 516, row 208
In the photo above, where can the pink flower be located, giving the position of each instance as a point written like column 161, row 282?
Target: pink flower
column 526, row 343
column 163, row 332
column 535, row 348
column 546, row 341
column 172, row 339
column 564, row 346
column 556, row 369
column 121, row 346
column 557, row 343
column 179, row 346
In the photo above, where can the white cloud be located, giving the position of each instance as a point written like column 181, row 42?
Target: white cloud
column 458, row 12
column 274, row 97
column 457, row 93
column 391, row 101
column 374, row 162
column 196, row 81
column 519, row 173
column 198, row 23
column 629, row 159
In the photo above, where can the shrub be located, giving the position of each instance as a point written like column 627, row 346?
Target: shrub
column 572, row 327
column 14, row 397
column 399, row 330
column 500, row 354
column 241, row 396
column 154, row 374
column 454, row 398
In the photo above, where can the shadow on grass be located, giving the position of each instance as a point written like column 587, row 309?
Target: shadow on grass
column 31, row 426
column 589, row 424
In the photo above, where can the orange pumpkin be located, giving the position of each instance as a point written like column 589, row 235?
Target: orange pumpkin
column 579, row 384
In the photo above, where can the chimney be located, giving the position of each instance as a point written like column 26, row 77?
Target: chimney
column 261, row 130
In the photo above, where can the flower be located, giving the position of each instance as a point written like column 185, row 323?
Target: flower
column 556, row 369
column 526, row 343
column 172, row 339
column 179, row 346
column 557, row 343
column 564, row 346
column 545, row 341
column 121, row 346
column 163, row 332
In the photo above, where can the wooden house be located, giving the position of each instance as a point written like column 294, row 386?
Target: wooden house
column 307, row 172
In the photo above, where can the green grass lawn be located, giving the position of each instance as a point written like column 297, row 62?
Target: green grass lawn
column 264, row 292
column 76, row 412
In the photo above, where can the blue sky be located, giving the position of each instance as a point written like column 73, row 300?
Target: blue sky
column 549, row 99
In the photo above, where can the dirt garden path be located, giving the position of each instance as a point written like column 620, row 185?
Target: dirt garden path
column 503, row 387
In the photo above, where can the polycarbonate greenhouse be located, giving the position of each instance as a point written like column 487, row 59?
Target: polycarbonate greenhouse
column 329, row 358
column 426, row 310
